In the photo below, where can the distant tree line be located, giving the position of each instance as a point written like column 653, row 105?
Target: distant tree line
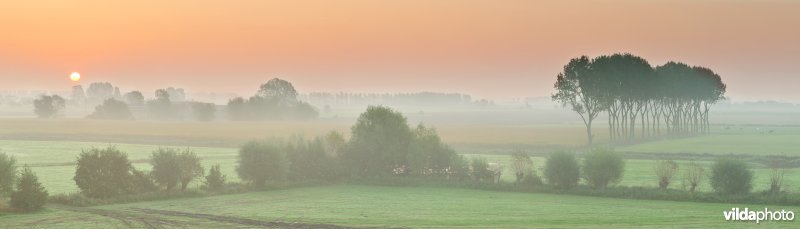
column 669, row 100
column 275, row 100
column 394, row 99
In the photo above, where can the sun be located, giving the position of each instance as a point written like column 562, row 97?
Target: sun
column 75, row 76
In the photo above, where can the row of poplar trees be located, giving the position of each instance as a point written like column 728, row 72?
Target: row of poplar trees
column 641, row 101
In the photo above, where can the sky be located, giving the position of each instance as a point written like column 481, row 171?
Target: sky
column 489, row 49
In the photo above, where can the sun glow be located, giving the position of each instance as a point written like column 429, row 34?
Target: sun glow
column 75, row 76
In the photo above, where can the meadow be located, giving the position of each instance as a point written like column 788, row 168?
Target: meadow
column 375, row 206
column 51, row 147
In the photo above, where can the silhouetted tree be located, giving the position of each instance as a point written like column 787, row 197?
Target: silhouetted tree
column 112, row 109
column 580, row 89
column 48, row 106
column 278, row 89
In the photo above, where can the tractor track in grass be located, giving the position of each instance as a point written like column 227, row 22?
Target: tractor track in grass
column 152, row 218
column 127, row 219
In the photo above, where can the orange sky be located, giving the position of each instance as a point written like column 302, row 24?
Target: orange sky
column 495, row 49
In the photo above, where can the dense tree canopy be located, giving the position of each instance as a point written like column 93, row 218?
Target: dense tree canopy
column 275, row 100
column 103, row 173
column 641, row 101
column 48, row 106
column 112, row 109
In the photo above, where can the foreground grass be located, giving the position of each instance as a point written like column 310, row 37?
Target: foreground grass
column 422, row 206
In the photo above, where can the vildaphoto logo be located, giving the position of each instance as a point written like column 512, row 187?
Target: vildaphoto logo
column 752, row 215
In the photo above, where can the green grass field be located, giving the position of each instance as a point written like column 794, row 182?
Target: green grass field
column 420, row 207
column 50, row 147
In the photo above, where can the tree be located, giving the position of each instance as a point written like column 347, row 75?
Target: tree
column 278, row 89
column 379, row 144
column 103, row 173
column 78, row 95
column 602, row 167
column 112, row 109
column 134, row 98
column 238, row 110
column 99, row 91
column 334, row 143
column 693, row 175
column 777, row 166
column 48, row 106
column 260, row 161
column 161, row 107
column 665, row 170
column 215, row 180
column 521, row 165
column 731, row 176
column 172, row 167
column 8, row 173
column 30, row 194
column 582, row 90
column 203, row 111
column 427, row 155
column 561, row 170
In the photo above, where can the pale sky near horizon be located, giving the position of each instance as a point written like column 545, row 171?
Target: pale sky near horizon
column 490, row 49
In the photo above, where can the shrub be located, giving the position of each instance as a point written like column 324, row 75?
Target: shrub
column 521, row 165
column 459, row 168
column 561, row 170
column 693, row 175
column 260, row 161
column 531, row 179
column 665, row 170
column 112, row 109
column 8, row 172
column 142, row 182
column 480, row 170
column 730, row 176
column 215, row 180
column 171, row 167
column 30, row 195
column 427, row 155
column 602, row 167
column 103, row 173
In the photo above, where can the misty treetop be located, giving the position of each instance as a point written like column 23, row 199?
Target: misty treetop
column 275, row 100
column 672, row 99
